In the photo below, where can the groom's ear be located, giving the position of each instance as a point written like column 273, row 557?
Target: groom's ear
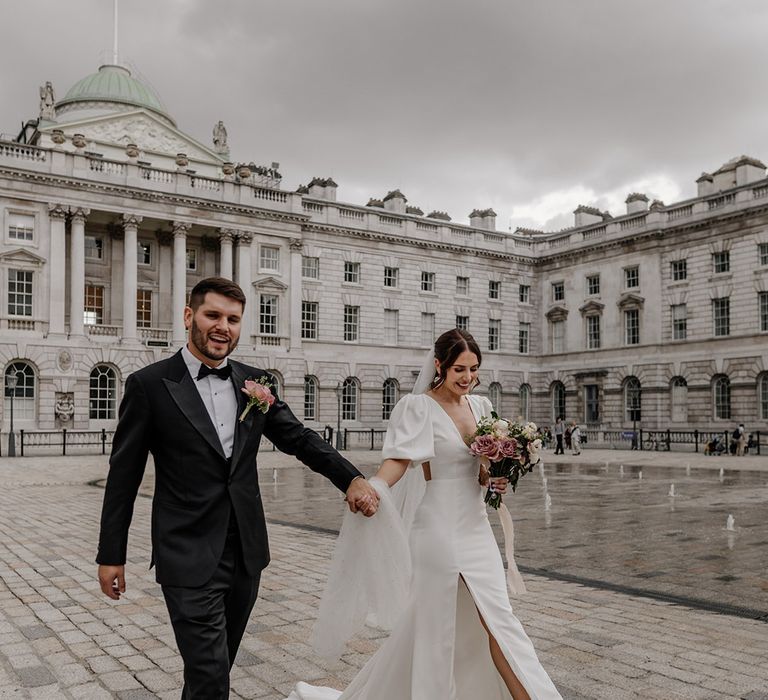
column 188, row 313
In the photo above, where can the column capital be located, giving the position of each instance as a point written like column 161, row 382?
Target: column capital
column 79, row 214
column 132, row 220
column 296, row 245
column 244, row 238
column 227, row 235
column 57, row 211
column 180, row 228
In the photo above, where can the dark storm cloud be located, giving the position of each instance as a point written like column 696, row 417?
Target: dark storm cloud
column 531, row 108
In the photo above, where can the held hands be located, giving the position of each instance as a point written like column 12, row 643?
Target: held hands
column 361, row 496
column 112, row 580
column 498, row 484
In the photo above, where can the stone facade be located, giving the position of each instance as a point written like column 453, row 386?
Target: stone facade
column 616, row 315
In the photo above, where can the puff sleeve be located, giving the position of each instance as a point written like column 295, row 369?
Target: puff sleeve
column 409, row 435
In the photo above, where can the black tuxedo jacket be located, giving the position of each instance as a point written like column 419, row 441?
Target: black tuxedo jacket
column 195, row 485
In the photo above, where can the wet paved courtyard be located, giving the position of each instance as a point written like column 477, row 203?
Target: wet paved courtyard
column 607, row 524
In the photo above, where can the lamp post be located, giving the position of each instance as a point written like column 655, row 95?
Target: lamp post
column 10, row 381
column 338, row 391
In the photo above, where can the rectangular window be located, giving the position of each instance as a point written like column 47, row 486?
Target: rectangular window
column 632, row 277
column 391, row 276
column 762, row 303
column 524, row 336
column 391, row 326
column 679, row 270
column 21, row 227
column 593, row 285
column 494, row 334
column 462, row 323
column 268, row 314
column 762, row 253
column 679, row 321
column 558, row 336
column 309, row 320
column 93, row 314
column 462, row 286
column 558, row 291
column 94, row 248
column 591, row 403
column 427, row 330
column 269, row 258
column 310, row 398
column 144, row 253
column 143, row 308
column 310, row 267
column 494, row 289
column 632, row 327
column 593, row 332
column 351, row 322
column 352, row 272
column 525, row 294
column 427, row 281
column 191, row 260
column 19, row 293
column 721, row 316
column 721, row 262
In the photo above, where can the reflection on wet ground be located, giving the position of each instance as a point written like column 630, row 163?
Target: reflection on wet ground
column 617, row 525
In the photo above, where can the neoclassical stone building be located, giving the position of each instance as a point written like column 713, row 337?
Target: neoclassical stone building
column 657, row 317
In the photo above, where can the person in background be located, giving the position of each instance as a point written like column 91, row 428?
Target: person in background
column 575, row 439
column 559, row 430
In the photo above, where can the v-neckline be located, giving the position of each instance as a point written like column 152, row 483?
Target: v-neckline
column 447, row 415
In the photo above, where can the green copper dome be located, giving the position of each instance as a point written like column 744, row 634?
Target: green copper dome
column 112, row 85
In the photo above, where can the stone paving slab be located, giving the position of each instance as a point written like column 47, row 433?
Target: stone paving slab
column 60, row 638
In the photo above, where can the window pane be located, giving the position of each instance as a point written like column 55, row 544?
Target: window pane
column 349, row 399
column 352, row 272
column 558, row 401
column 558, row 291
column 144, row 253
column 391, row 326
column 351, row 322
column 525, row 293
column 388, row 398
column 593, row 332
column 462, row 323
column 494, row 334
column 391, row 276
column 721, row 316
column 102, row 402
column 721, row 262
column 144, row 308
column 268, row 314
column 310, row 267
column 632, row 400
column 494, row 289
column 525, row 400
column 427, row 330
column 591, row 403
column 762, row 253
column 427, row 281
column 269, row 258
column 94, row 305
column 462, row 286
column 19, row 293
column 722, row 389
column 21, row 227
column 24, row 394
column 191, row 260
column 558, row 336
column 310, row 398
column 762, row 302
column 679, row 270
column 524, row 338
column 593, row 285
column 494, row 396
column 631, row 277
column 679, row 321
column 632, row 326
column 94, row 248
column 764, row 397
column 309, row 320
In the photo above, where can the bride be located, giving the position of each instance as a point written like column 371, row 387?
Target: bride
column 454, row 635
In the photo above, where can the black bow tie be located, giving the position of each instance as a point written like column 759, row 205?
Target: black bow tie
column 221, row 372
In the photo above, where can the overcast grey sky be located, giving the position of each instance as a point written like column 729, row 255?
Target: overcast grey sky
column 529, row 107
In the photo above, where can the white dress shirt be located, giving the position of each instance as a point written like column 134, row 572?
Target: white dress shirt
column 220, row 399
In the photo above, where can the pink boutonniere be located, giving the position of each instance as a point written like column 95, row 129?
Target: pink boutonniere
column 259, row 394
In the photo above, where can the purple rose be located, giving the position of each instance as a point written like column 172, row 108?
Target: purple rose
column 509, row 448
column 486, row 446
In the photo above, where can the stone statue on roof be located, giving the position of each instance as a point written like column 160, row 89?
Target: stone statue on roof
column 220, row 138
column 47, row 101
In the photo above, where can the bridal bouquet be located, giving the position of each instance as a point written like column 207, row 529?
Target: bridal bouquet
column 506, row 449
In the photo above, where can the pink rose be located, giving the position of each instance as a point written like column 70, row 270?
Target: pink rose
column 486, row 446
column 509, row 448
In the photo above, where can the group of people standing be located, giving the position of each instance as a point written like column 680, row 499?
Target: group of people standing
column 568, row 435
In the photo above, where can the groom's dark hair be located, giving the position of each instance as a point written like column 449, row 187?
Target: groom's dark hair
column 218, row 285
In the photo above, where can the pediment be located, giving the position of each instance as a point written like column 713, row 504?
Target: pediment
column 592, row 307
column 150, row 133
column 269, row 284
column 630, row 301
column 557, row 313
column 20, row 256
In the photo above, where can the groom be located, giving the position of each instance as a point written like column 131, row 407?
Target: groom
column 209, row 536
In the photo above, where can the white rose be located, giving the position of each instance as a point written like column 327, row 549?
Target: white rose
column 501, row 428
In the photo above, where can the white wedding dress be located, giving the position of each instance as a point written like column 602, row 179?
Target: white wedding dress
column 438, row 649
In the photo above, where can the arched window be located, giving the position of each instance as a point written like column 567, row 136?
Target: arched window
column 558, row 400
column 494, row 395
column 102, row 397
column 632, row 400
column 23, row 393
column 389, row 392
column 278, row 384
column 349, row 399
column 525, row 401
column 721, row 397
column 310, row 398
column 762, row 393
column 678, row 389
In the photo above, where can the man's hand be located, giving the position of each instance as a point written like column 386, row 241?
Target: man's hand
column 112, row 580
column 361, row 496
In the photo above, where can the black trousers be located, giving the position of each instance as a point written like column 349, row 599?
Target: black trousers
column 559, row 448
column 209, row 623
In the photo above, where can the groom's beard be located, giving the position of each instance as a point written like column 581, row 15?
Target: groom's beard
column 202, row 342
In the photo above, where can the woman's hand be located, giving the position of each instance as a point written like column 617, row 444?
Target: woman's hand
column 484, row 476
column 499, row 484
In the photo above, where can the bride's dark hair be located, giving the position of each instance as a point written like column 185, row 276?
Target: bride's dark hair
column 448, row 347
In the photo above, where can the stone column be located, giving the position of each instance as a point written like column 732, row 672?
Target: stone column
column 179, row 288
column 226, row 239
column 244, row 279
column 165, row 276
column 77, row 272
column 295, row 294
column 130, row 285
column 57, row 215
